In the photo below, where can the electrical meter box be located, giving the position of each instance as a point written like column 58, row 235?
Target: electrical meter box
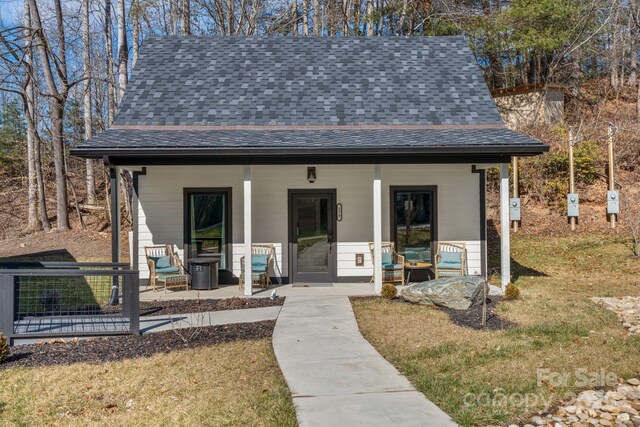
column 613, row 202
column 572, row 205
column 514, row 209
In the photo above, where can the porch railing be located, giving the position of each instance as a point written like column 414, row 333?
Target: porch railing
column 68, row 299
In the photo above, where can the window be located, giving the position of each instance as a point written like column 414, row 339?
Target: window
column 413, row 222
column 208, row 223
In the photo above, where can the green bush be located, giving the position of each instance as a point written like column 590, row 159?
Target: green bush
column 512, row 292
column 4, row 348
column 388, row 291
column 585, row 164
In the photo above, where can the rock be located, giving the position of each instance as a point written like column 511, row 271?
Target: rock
column 459, row 293
column 571, row 409
column 633, row 381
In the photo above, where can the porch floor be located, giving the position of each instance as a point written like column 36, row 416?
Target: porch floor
column 229, row 291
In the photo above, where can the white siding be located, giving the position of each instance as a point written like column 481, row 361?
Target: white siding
column 161, row 206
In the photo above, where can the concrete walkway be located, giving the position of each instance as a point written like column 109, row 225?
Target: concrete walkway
column 336, row 377
column 150, row 324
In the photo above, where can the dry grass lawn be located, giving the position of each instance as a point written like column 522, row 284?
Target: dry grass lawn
column 482, row 377
column 232, row 384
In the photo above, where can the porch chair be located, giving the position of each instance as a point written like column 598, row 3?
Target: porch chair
column 392, row 264
column 165, row 264
column 450, row 259
column 261, row 259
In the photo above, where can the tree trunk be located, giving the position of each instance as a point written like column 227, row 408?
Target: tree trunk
column 294, row 9
column 369, row 18
column 57, row 100
column 316, row 18
column 305, row 18
column 185, row 18
column 123, row 51
column 135, row 19
column 90, row 184
column 33, row 222
column 111, row 85
column 633, row 63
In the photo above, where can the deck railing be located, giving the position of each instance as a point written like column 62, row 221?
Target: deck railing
column 68, row 299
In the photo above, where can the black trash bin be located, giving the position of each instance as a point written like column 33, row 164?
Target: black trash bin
column 204, row 273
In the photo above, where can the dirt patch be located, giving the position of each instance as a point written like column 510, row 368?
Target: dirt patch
column 152, row 308
column 470, row 318
column 118, row 348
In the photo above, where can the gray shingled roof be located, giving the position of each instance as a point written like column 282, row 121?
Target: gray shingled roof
column 305, row 81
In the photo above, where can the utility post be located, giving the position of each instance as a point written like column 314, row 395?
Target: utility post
column 572, row 219
column 612, row 131
column 514, row 166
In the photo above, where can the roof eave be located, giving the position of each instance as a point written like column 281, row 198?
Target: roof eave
column 158, row 152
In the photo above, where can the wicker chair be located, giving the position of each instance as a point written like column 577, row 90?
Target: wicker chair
column 450, row 259
column 156, row 255
column 392, row 264
column 261, row 260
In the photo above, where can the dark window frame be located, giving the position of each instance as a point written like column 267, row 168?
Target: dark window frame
column 187, row 192
column 392, row 211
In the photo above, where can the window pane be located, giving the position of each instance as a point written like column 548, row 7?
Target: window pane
column 414, row 224
column 207, row 234
column 313, row 235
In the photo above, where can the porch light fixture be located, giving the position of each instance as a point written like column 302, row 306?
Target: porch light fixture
column 311, row 174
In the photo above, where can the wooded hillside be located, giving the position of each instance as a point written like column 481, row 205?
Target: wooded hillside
column 65, row 67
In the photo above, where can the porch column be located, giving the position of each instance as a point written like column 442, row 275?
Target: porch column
column 248, row 287
column 114, row 174
column 377, row 229
column 505, row 247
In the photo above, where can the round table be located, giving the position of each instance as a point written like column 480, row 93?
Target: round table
column 410, row 266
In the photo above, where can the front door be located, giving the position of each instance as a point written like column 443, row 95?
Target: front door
column 312, row 236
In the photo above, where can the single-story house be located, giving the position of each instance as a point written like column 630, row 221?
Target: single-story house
column 318, row 146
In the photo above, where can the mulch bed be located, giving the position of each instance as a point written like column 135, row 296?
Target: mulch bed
column 113, row 349
column 470, row 318
column 158, row 308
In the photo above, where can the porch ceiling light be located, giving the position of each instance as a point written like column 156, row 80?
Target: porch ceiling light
column 311, row 174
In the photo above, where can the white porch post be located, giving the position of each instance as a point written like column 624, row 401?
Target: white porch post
column 248, row 287
column 505, row 247
column 377, row 229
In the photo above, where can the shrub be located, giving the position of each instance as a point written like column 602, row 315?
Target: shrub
column 388, row 291
column 4, row 348
column 511, row 292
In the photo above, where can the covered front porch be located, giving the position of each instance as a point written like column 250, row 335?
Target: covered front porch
column 325, row 222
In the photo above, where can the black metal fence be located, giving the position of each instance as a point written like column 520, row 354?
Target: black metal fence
column 63, row 299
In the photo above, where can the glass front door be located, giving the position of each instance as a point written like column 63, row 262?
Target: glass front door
column 414, row 222
column 312, row 236
column 207, row 224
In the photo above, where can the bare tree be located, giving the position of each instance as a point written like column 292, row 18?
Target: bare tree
column 58, row 91
column 88, row 129
column 185, row 17
column 305, row 17
column 123, row 51
column 135, row 11
column 111, row 86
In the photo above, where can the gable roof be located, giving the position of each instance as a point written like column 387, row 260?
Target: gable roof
column 306, row 93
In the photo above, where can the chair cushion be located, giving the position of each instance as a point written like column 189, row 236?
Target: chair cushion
column 161, row 261
column 387, row 258
column 167, row 270
column 259, row 262
column 450, row 257
column 450, row 265
column 391, row 266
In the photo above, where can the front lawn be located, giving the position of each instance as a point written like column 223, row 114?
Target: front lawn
column 563, row 342
column 230, row 384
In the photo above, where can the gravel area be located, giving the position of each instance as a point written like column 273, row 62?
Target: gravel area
column 98, row 350
column 617, row 407
column 627, row 309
